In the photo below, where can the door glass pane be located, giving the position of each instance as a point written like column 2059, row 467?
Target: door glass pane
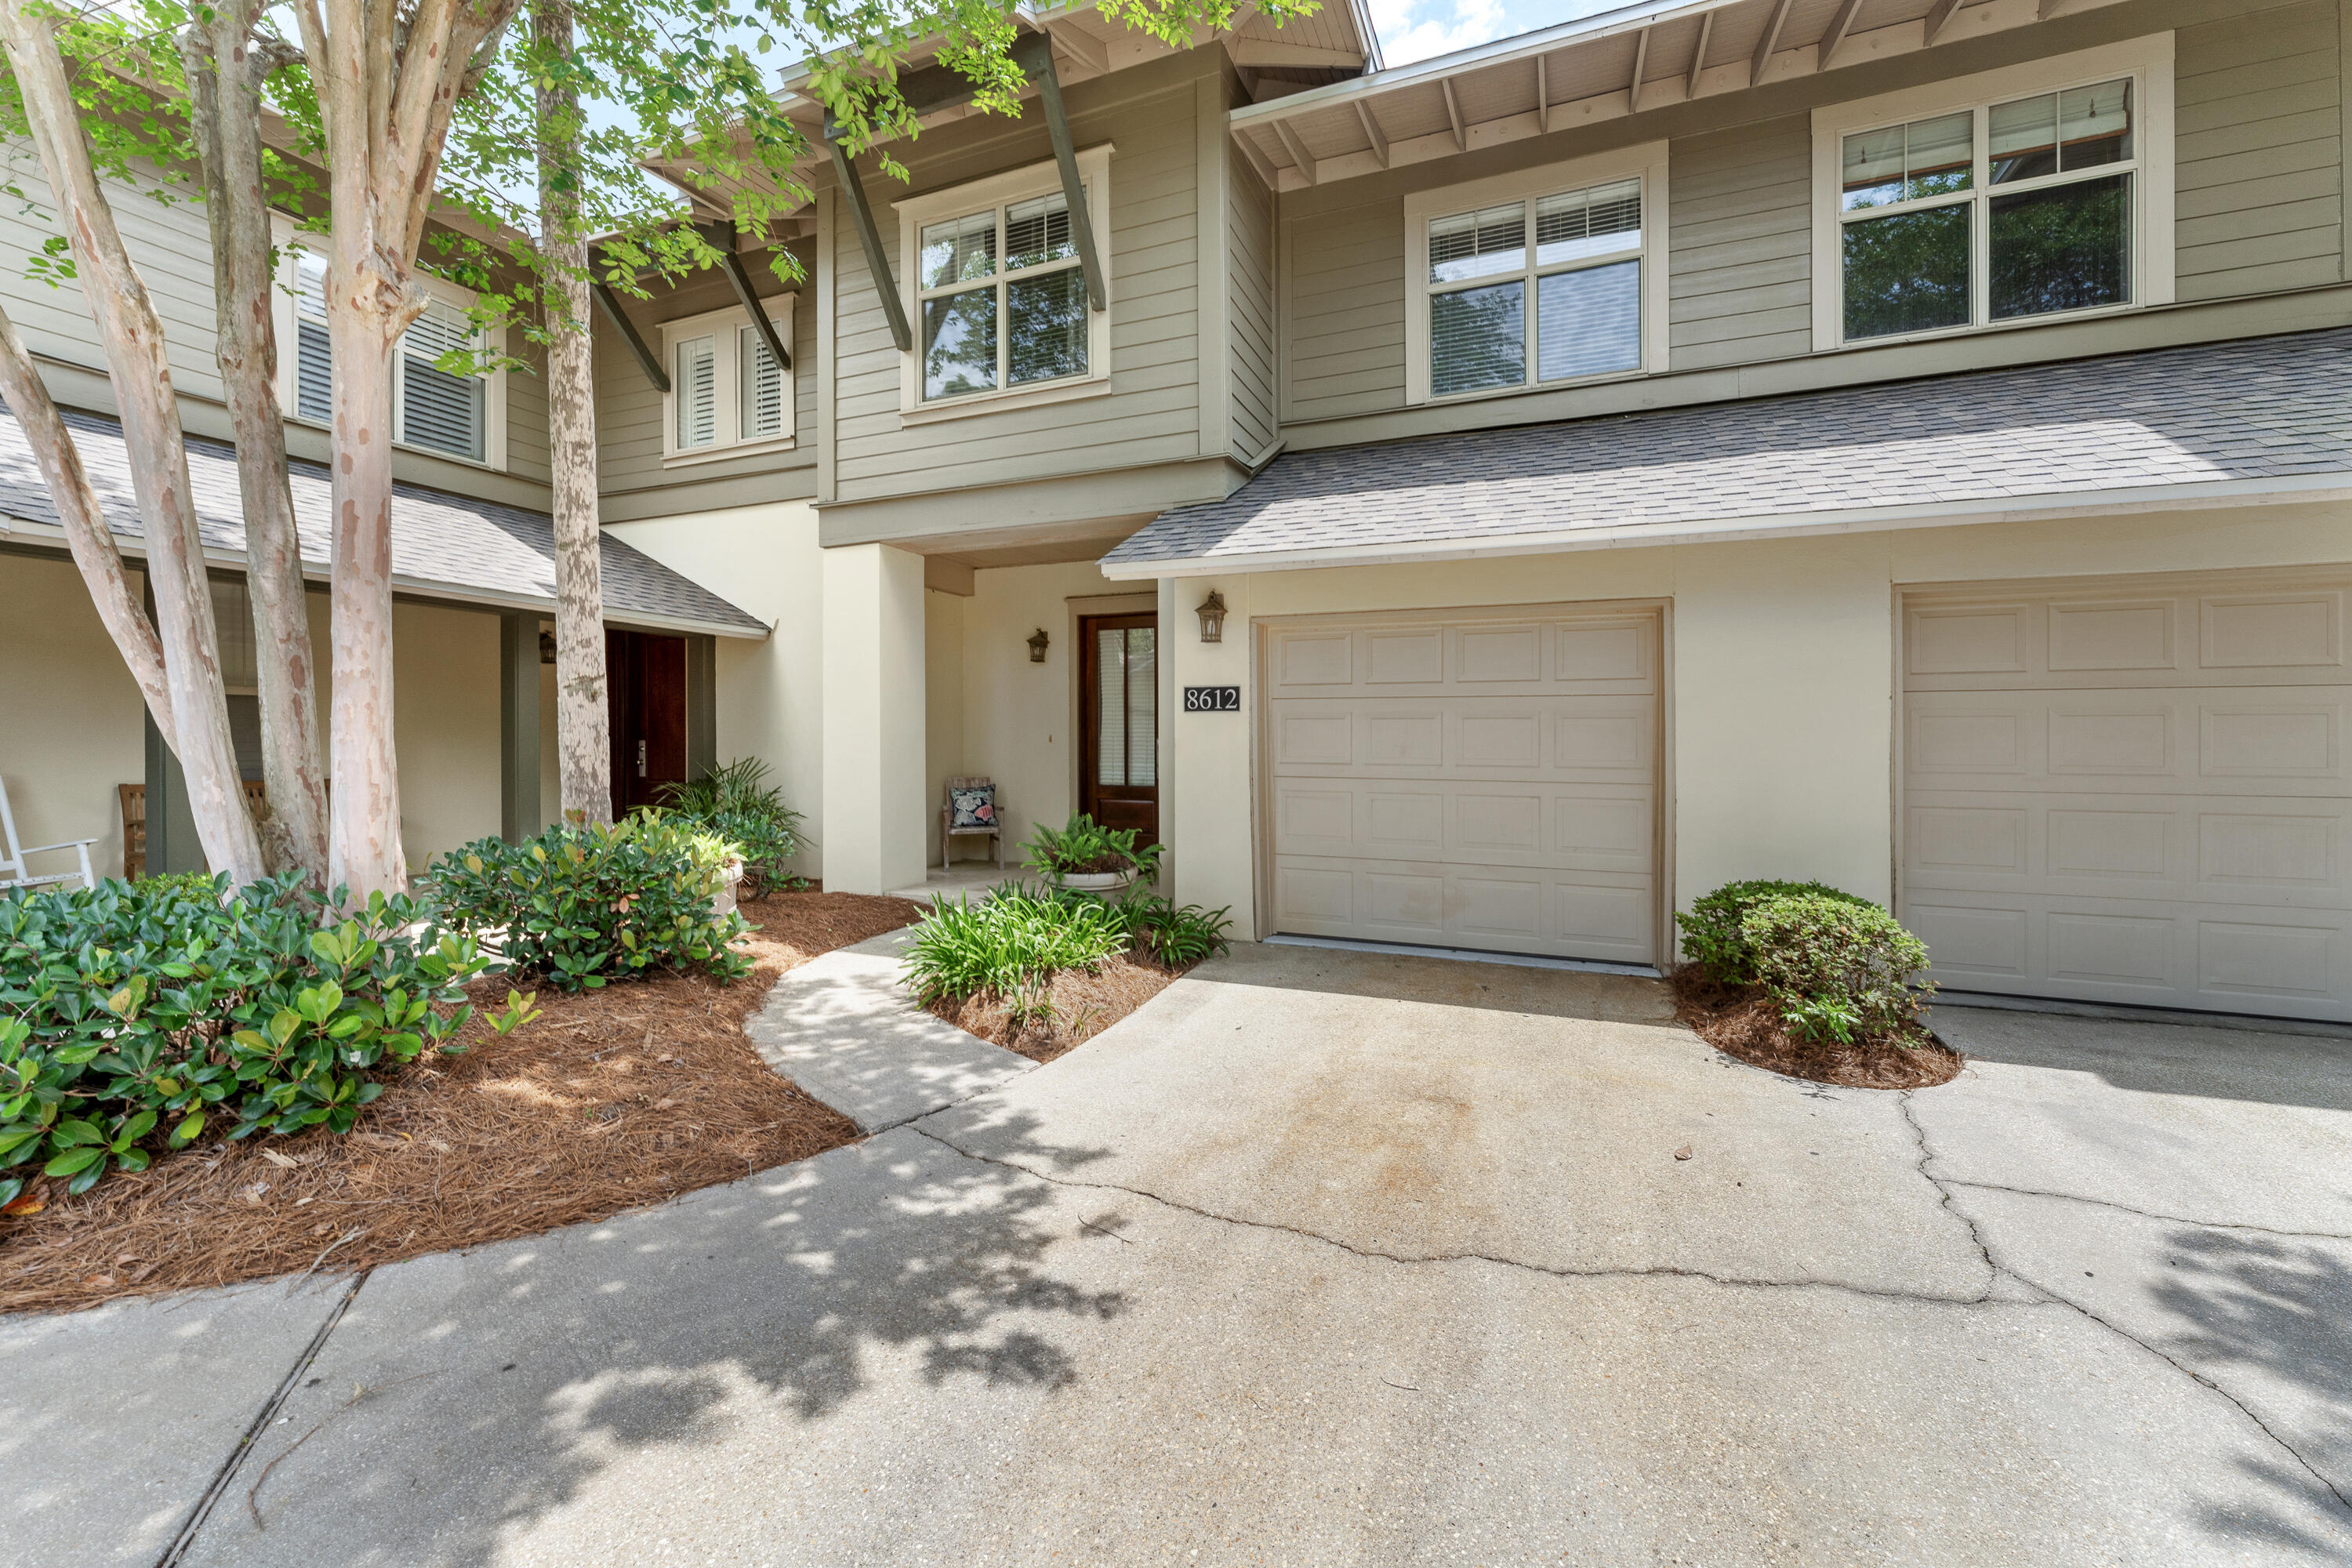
column 1142, row 706
column 1047, row 320
column 1908, row 272
column 1110, row 717
column 1478, row 338
column 2062, row 248
column 1589, row 322
column 959, row 343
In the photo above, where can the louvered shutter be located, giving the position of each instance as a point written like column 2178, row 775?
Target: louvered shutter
column 760, row 404
column 438, row 410
column 696, row 388
column 314, row 364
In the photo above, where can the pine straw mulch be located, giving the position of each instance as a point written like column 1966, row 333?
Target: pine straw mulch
column 607, row 1100
column 1083, row 1005
column 1742, row 1022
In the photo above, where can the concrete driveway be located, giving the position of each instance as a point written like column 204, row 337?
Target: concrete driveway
column 1323, row 1257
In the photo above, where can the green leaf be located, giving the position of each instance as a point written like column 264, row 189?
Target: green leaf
column 73, row 1160
column 186, row 1132
column 75, row 1131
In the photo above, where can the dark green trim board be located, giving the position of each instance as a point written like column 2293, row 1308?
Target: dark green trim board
column 877, row 259
column 722, row 237
column 519, row 803
column 645, row 359
column 1034, row 53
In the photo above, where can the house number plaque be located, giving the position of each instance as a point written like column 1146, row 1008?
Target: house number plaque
column 1212, row 700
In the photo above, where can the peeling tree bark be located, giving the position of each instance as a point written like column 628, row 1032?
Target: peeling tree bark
column 87, row 535
column 132, row 338
column 387, row 79
column 584, row 742
column 225, row 75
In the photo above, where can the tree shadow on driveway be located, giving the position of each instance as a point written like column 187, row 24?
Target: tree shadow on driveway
column 753, row 1319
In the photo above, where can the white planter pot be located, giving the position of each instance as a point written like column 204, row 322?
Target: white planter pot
column 722, row 902
column 1093, row 881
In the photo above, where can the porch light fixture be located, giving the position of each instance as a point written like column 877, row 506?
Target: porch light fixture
column 547, row 647
column 1038, row 642
column 1213, row 617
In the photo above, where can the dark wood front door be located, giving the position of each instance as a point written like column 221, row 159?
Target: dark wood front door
column 1119, row 728
column 645, row 685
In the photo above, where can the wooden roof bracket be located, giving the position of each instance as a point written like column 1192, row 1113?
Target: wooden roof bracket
column 611, row 307
column 877, row 259
column 1034, row 53
column 722, row 237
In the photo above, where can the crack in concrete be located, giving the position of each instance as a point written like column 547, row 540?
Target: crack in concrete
column 2061, row 1298
column 1994, row 1273
column 1556, row 1272
column 2148, row 1214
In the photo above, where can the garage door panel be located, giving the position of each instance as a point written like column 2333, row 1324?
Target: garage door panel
column 2118, row 795
column 2123, row 638
column 1483, row 783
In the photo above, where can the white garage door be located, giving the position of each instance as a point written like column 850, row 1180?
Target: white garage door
column 2133, row 794
column 1487, row 783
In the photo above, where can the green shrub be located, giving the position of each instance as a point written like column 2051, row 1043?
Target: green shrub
column 1083, row 847
column 1176, row 937
column 170, row 1004
column 1008, row 942
column 181, row 881
column 1712, row 938
column 1840, row 968
column 736, row 802
column 587, row 905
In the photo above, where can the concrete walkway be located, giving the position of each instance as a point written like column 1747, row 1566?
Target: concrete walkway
column 1325, row 1258
column 843, row 1028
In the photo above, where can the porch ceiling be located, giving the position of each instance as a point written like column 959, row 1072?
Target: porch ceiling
column 2258, row 419
column 447, row 548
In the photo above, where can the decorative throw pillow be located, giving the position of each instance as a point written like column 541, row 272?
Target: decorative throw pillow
column 974, row 807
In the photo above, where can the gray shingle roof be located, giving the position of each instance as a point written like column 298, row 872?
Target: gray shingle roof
column 2276, row 412
column 441, row 545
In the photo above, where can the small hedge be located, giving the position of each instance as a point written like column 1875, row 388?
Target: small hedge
column 139, row 1015
column 1012, row 941
column 584, row 906
column 1839, row 968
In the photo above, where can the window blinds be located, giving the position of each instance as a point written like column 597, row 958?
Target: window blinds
column 697, row 387
column 760, row 403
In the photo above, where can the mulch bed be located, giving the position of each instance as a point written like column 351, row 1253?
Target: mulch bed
column 1742, row 1022
column 1084, row 1004
column 608, row 1101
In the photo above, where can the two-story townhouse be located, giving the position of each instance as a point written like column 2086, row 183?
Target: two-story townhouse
column 472, row 561
column 1486, row 503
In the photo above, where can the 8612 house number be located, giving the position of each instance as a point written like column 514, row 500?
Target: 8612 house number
column 1212, row 700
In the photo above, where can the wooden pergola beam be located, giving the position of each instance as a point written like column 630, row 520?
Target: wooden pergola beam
column 610, row 305
column 722, row 237
column 877, row 257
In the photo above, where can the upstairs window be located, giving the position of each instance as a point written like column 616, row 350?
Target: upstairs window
column 728, row 394
column 432, row 410
column 996, row 291
column 2017, row 206
column 1553, row 286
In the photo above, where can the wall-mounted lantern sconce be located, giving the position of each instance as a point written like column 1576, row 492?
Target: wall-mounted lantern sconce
column 1038, row 642
column 547, row 647
column 1213, row 617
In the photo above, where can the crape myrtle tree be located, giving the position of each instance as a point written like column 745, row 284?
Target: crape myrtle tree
column 371, row 91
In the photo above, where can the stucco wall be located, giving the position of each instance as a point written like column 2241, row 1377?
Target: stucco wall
column 1780, row 654
column 71, row 723
column 771, row 699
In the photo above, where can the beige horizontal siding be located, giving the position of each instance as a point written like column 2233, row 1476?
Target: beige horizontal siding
column 1343, row 319
column 1739, row 245
column 2258, row 153
column 1249, row 303
column 1150, row 412
column 630, row 409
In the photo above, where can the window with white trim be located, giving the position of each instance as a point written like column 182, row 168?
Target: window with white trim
column 1538, row 280
column 997, row 291
column 461, row 416
column 2004, row 206
column 728, row 394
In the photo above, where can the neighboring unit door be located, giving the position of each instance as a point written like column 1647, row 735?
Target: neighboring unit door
column 1118, row 722
column 1474, row 782
column 645, row 683
column 2133, row 792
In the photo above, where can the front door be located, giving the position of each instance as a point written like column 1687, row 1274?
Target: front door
column 644, row 684
column 1119, row 728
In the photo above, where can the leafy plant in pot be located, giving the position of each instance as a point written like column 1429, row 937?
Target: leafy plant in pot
column 1085, row 856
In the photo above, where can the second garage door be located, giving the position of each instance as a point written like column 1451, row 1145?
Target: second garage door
column 2133, row 792
column 1486, row 782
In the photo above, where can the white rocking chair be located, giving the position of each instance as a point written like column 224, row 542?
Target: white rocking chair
column 14, row 873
